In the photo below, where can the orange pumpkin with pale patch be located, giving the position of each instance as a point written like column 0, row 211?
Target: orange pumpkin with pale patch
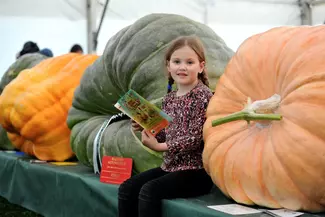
column 34, row 107
column 265, row 129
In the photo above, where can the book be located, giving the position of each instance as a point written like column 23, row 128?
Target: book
column 146, row 114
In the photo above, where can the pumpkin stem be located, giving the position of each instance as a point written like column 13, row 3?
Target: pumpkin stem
column 260, row 110
column 243, row 115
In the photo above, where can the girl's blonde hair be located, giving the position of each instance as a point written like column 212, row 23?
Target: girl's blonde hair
column 194, row 43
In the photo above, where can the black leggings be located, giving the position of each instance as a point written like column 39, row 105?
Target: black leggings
column 141, row 195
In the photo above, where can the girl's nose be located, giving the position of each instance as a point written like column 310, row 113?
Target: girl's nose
column 182, row 66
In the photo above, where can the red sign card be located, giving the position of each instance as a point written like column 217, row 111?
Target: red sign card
column 115, row 170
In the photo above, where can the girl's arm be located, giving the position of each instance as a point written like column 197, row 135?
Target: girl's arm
column 151, row 142
column 161, row 147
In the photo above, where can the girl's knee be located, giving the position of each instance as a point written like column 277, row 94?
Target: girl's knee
column 125, row 189
column 150, row 191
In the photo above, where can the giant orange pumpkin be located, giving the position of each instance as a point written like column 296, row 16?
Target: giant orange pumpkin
column 270, row 148
column 34, row 107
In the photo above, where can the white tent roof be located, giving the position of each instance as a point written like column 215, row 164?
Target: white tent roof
column 58, row 24
column 219, row 11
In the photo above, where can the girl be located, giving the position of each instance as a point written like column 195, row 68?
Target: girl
column 181, row 173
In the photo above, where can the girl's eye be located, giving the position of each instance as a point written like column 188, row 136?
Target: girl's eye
column 177, row 61
column 190, row 62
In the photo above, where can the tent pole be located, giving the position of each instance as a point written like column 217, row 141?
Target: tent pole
column 91, row 23
column 95, row 39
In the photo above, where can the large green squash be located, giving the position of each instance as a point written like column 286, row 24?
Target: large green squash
column 133, row 58
column 24, row 62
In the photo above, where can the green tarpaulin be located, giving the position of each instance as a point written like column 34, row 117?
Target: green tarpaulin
column 74, row 191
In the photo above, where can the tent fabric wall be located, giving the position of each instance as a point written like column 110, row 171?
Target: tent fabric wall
column 58, row 24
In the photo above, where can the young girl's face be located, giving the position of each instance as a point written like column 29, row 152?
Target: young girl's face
column 184, row 66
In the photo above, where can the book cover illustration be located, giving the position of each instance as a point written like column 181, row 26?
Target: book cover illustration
column 146, row 114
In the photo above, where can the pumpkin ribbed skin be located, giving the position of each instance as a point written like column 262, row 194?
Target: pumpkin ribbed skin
column 133, row 58
column 282, row 163
column 34, row 107
column 24, row 62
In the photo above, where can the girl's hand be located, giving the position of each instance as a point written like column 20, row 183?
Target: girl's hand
column 149, row 140
column 136, row 126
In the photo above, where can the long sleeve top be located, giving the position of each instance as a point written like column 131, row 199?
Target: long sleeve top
column 184, row 136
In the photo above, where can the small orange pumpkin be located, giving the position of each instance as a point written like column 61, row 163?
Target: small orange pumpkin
column 278, row 158
column 34, row 107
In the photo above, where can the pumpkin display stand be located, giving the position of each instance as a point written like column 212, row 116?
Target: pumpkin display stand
column 75, row 191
